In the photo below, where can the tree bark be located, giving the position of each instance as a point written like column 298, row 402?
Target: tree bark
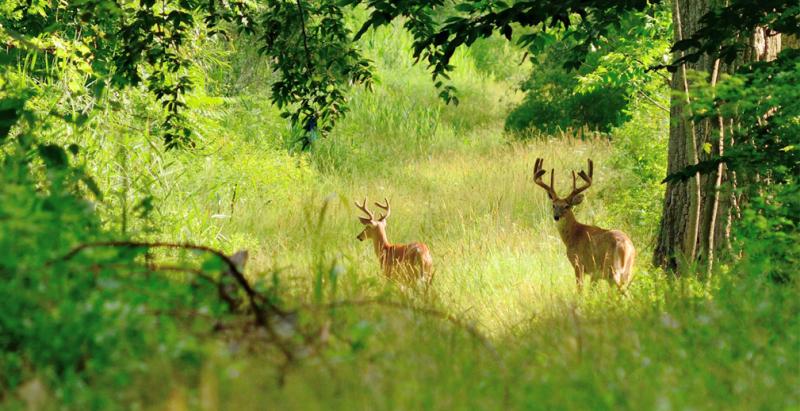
column 697, row 213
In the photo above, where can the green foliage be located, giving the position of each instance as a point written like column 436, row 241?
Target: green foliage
column 437, row 36
column 640, row 156
column 769, row 235
column 625, row 55
column 317, row 59
column 95, row 317
column 499, row 58
column 552, row 103
column 104, row 44
column 99, row 43
column 770, row 228
column 600, row 92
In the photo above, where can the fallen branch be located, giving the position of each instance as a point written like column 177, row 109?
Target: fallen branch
column 254, row 298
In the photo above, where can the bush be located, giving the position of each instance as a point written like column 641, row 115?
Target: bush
column 640, row 159
column 552, row 105
column 601, row 91
column 554, row 100
column 96, row 318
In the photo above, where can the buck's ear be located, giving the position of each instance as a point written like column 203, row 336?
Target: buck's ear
column 576, row 200
column 365, row 221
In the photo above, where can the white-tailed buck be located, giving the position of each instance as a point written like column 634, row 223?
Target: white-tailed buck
column 591, row 250
column 407, row 263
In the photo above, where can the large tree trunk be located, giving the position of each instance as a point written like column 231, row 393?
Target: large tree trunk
column 697, row 213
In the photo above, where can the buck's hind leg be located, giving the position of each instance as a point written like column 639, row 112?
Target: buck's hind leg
column 617, row 282
column 616, row 279
column 621, row 271
column 579, row 273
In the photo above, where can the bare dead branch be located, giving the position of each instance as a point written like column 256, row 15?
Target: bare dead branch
column 262, row 308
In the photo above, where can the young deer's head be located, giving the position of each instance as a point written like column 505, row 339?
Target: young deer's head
column 562, row 205
column 373, row 228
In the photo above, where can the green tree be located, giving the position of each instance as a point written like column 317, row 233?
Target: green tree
column 104, row 44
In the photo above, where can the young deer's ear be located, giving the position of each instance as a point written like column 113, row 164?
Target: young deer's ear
column 576, row 200
column 365, row 221
column 239, row 259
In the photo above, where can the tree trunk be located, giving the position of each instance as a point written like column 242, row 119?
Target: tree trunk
column 697, row 213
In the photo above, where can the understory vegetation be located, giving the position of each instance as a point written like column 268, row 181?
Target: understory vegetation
column 102, row 306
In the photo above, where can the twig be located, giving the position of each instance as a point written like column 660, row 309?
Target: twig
column 652, row 100
column 305, row 37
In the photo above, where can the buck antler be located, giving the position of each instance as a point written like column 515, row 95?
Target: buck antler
column 363, row 207
column 538, row 172
column 586, row 178
column 385, row 207
column 592, row 251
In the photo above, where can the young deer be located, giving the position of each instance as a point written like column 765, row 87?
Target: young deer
column 591, row 250
column 408, row 263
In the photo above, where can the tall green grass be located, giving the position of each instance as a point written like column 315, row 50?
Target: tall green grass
column 457, row 183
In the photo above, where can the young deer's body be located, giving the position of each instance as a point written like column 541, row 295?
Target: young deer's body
column 407, row 263
column 591, row 250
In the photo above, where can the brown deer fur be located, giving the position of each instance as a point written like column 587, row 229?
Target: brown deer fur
column 407, row 263
column 591, row 250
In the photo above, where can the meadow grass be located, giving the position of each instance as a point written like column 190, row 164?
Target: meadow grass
column 459, row 184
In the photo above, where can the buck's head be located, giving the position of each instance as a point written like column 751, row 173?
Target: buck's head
column 372, row 226
column 562, row 205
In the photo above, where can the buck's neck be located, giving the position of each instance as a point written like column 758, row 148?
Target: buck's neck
column 380, row 242
column 567, row 225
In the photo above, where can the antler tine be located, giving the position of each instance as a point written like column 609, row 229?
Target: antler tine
column 385, row 207
column 586, row 178
column 363, row 207
column 573, row 180
column 538, row 172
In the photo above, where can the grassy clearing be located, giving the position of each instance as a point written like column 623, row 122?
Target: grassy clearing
column 459, row 184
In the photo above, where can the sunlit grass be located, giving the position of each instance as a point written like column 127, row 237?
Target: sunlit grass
column 454, row 179
column 459, row 184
